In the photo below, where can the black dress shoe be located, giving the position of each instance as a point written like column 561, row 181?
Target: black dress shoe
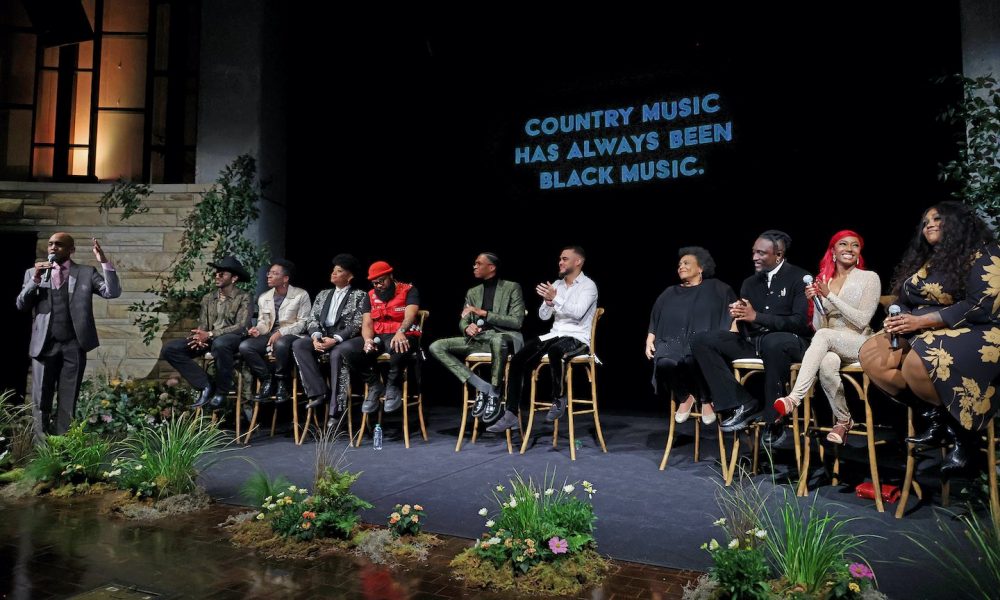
column 740, row 417
column 203, row 397
column 774, row 435
column 217, row 400
column 956, row 462
column 266, row 391
column 316, row 401
column 282, row 394
column 493, row 409
column 939, row 433
column 477, row 408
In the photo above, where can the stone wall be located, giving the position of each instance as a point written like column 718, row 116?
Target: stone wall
column 140, row 248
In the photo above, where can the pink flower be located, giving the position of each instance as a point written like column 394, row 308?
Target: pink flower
column 173, row 381
column 106, row 418
column 558, row 546
column 861, row 571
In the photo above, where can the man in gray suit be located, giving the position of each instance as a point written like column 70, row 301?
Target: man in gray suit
column 59, row 292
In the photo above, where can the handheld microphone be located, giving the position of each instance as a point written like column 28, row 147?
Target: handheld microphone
column 47, row 275
column 480, row 323
column 894, row 311
column 808, row 279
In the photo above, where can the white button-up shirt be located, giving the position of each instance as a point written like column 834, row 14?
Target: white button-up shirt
column 573, row 309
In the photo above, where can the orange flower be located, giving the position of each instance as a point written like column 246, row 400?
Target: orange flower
column 306, row 525
column 393, row 520
column 417, row 507
column 415, row 518
column 406, row 509
column 308, row 515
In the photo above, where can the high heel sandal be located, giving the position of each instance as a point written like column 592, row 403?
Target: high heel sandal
column 839, row 433
column 784, row 406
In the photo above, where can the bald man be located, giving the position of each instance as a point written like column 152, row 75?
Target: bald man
column 59, row 293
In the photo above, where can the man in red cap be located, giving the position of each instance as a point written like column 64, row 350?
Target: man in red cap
column 388, row 324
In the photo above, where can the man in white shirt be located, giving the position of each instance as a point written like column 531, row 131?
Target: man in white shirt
column 571, row 303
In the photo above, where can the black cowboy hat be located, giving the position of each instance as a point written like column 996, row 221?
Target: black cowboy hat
column 232, row 265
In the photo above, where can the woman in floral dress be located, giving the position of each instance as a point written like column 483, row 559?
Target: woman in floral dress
column 948, row 286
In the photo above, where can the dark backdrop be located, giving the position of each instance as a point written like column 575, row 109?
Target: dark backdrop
column 834, row 126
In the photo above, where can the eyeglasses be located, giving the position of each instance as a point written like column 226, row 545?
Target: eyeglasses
column 380, row 281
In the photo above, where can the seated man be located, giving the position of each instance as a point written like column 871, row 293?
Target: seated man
column 491, row 320
column 225, row 314
column 388, row 324
column 772, row 324
column 572, row 302
column 334, row 328
column 282, row 312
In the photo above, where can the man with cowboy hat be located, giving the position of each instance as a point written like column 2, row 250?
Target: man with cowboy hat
column 388, row 324
column 225, row 314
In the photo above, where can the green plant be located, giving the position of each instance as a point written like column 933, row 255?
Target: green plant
column 331, row 512
column 75, row 457
column 113, row 407
column 259, row 486
column 165, row 461
column 741, row 572
column 807, row 548
column 536, row 522
column 977, row 170
column 16, row 431
column 972, row 558
column 217, row 224
column 127, row 195
column 406, row 519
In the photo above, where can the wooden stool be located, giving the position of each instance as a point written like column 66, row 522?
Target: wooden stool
column 589, row 364
column 473, row 362
column 696, row 415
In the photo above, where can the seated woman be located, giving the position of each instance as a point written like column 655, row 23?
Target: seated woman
column 697, row 304
column 949, row 346
column 849, row 295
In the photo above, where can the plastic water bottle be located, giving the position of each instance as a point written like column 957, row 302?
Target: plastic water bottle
column 378, row 436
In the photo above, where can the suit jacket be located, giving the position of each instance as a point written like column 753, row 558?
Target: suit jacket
column 508, row 309
column 783, row 307
column 292, row 316
column 348, row 322
column 84, row 282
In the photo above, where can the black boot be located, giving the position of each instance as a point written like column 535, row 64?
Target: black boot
column 266, row 391
column 283, row 393
column 957, row 460
column 939, row 433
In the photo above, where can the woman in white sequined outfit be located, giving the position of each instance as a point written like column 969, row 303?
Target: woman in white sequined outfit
column 850, row 296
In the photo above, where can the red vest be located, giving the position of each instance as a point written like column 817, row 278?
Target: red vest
column 386, row 316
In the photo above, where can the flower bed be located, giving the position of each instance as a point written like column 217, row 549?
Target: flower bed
column 541, row 541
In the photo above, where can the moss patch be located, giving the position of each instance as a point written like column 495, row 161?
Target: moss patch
column 566, row 576
column 129, row 507
column 12, row 475
column 381, row 547
column 259, row 536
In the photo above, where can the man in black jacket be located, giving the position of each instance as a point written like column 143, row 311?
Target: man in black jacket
column 771, row 320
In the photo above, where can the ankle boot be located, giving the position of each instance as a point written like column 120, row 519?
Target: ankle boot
column 939, row 433
column 958, row 458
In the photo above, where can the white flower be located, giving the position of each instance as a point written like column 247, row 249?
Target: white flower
column 260, row 516
column 568, row 488
column 734, row 543
column 587, row 484
column 493, row 540
column 713, row 545
column 720, row 522
column 490, row 523
column 292, row 488
column 513, row 502
column 761, row 534
column 499, row 488
column 115, row 473
column 303, row 491
column 272, row 506
column 537, row 495
column 549, row 492
column 483, row 512
column 267, row 500
column 138, row 467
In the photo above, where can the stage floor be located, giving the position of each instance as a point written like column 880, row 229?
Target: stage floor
column 644, row 515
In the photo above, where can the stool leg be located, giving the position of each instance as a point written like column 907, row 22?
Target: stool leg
column 870, row 425
column 670, row 433
column 697, row 437
column 239, row 403
column 910, row 466
column 991, row 464
column 597, row 418
column 531, row 412
column 406, row 406
column 465, row 412
column 569, row 410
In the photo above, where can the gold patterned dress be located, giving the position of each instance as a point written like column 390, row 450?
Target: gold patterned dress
column 963, row 358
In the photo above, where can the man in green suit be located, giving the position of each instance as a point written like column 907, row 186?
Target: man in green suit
column 491, row 322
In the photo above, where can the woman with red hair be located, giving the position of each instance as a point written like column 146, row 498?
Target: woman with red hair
column 849, row 295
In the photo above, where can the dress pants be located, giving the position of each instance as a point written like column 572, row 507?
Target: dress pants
column 715, row 350
column 223, row 349
column 558, row 349
column 309, row 369
column 58, row 368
